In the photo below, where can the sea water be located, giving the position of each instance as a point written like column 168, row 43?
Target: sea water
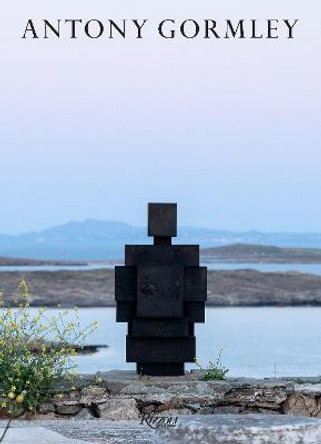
column 265, row 268
column 256, row 342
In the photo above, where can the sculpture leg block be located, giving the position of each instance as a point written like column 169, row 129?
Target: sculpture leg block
column 160, row 328
column 160, row 350
column 162, row 369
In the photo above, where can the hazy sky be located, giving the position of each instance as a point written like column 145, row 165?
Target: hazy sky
column 95, row 129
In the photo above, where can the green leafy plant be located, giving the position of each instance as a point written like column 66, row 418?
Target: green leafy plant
column 30, row 364
column 215, row 370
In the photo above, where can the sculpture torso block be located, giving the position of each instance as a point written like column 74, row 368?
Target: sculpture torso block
column 161, row 292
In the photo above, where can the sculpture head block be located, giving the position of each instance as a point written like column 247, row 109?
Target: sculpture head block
column 162, row 219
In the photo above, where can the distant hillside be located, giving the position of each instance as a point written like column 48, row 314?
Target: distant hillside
column 262, row 254
column 94, row 239
column 95, row 288
column 14, row 262
column 86, row 240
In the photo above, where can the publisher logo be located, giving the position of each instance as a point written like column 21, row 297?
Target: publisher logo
column 156, row 422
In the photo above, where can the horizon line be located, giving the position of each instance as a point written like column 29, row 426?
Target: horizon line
column 83, row 221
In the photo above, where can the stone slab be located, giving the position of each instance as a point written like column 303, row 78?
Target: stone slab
column 79, row 432
column 258, row 429
column 37, row 435
column 246, row 429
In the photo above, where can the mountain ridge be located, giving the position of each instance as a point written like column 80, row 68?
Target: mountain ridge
column 97, row 239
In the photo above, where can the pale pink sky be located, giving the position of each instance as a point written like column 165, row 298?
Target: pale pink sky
column 95, row 129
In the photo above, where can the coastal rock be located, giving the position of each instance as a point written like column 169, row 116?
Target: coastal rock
column 155, row 396
column 65, row 396
column 309, row 389
column 117, row 408
column 85, row 414
column 302, row 405
column 68, row 407
column 174, row 413
column 47, row 407
column 136, row 387
column 93, row 395
column 266, row 398
column 44, row 417
column 225, row 409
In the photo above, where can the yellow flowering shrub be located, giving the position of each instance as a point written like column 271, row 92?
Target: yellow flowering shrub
column 35, row 352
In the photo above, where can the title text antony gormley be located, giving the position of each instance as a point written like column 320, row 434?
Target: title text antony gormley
column 249, row 29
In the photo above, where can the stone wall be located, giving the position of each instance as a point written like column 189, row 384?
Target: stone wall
column 124, row 395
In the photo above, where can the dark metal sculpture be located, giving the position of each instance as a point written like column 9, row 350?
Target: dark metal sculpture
column 161, row 293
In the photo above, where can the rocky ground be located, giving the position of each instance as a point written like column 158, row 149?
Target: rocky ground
column 253, row 288
column 121, row 406
column 95, row 288
column 124, row 395
column 209, row 429
column 13, row 262
column 247, row 253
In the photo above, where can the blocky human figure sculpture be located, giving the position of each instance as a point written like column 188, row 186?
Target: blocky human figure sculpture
column 161, row 292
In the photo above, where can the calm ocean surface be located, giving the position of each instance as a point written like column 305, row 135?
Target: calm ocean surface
column 303, row 268
column 256, row 342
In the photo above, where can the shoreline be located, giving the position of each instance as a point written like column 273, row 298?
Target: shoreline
column 95, row 288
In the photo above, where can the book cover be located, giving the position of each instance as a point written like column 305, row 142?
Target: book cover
column 107, row 107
